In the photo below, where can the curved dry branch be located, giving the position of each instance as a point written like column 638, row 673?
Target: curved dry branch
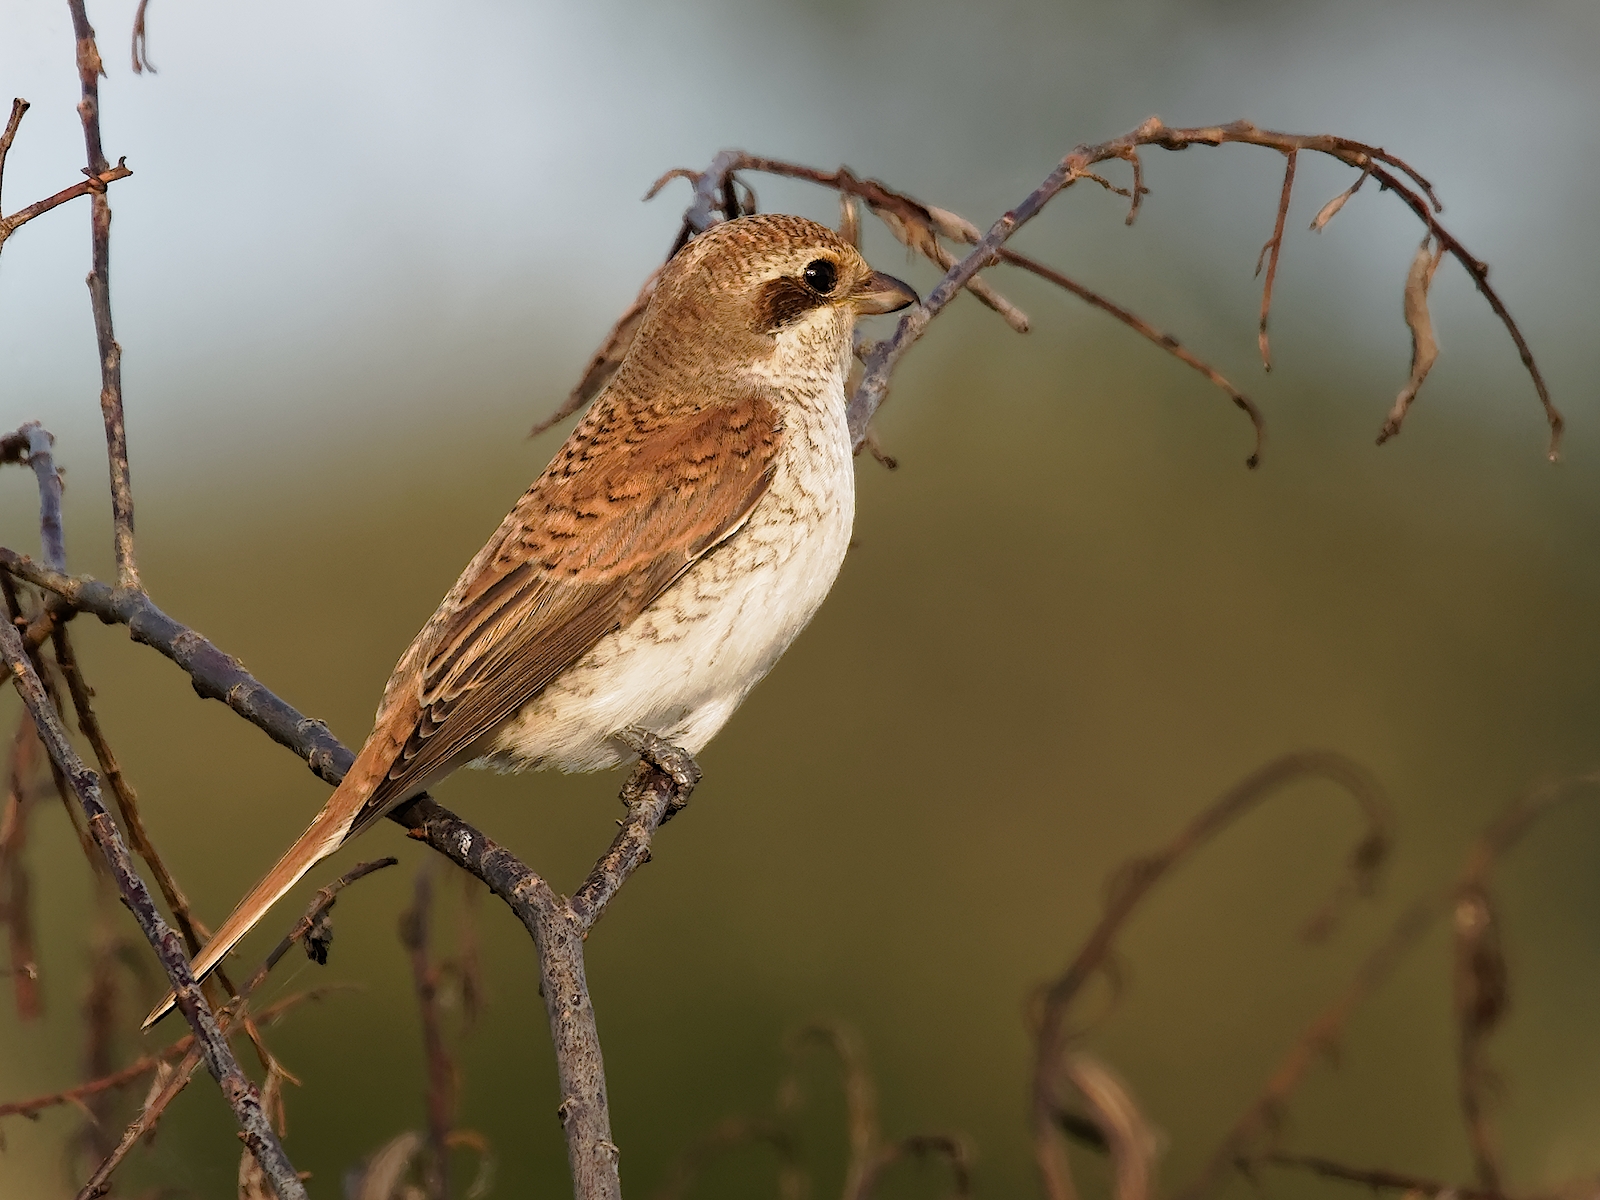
column 1131, row 883
column 919, row 226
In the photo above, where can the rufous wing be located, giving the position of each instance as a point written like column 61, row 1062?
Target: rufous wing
column 636, row 495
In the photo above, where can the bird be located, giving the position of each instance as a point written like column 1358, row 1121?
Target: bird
column 680, row 539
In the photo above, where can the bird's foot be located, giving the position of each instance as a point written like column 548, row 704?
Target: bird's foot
column 661, row 755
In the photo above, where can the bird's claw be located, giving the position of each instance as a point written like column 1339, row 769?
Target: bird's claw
column 673, row 761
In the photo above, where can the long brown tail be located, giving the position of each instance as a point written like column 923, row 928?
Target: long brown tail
column 324, row 835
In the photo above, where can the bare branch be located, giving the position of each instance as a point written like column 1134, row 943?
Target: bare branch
column 1135, row 879
column 94, row 185
column 1380, row 1179
column 1321, row 1037
column 237, row 1089
column 441, row 1073
column 89, row 72
column 1271, row 252
column 18, row 107
column 15, row 885
column 901, row 212
column 170, row 1081
column 1480, row 979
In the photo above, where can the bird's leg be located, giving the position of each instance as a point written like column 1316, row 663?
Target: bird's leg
column 673, row 761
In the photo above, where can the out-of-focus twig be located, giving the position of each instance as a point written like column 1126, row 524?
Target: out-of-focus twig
column 168, row 1083
column 951, row 1149
column 1134, row 881
column 1270, row 252
column 730, row 1134
column 1242, row 1143
column 1120, row 1123
column 239, row 1092
column 1381, row 1179
column 1480, row 978
column 441, row 1072
column 860, row 1099
column 15, row 885
column 194, row 933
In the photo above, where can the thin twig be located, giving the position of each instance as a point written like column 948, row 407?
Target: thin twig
column 238, row 1091
column 89, row 72
column 312, row 928
column 15, row 884
column 1265, row 1114
column 948, row 1147
column 1135, row 879
column 194, row 933
column 18, row 107
column 170, row 1081
column 441, row 1074
column 1380, row 1179
column 1391, row 172
column 861, row 1104
column 1270, row 252
column 1145, row 330
column 727, row 1135
column 1480, row 978
column 94, row 185
column 33, row 445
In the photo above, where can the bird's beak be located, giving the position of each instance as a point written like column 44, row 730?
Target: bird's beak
column 880, row 293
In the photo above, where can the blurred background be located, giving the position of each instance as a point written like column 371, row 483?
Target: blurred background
column 367, row 245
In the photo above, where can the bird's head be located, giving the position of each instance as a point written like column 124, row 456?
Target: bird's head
column 772, row 295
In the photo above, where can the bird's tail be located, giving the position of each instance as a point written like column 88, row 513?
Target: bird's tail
column 324, row 835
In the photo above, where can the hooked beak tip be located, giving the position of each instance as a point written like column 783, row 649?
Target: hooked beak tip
column 880, row 293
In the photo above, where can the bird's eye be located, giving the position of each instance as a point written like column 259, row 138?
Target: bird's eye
column 821, row 276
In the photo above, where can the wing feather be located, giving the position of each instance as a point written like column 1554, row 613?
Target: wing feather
column 624, row 510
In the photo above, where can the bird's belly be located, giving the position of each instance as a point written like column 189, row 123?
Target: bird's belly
column 681, row 668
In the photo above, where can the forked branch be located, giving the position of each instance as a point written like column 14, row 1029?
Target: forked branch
column 921, row 226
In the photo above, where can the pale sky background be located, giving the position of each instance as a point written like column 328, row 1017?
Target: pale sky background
column 328, row 198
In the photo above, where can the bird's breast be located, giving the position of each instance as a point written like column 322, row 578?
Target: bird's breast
column 682, row 666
